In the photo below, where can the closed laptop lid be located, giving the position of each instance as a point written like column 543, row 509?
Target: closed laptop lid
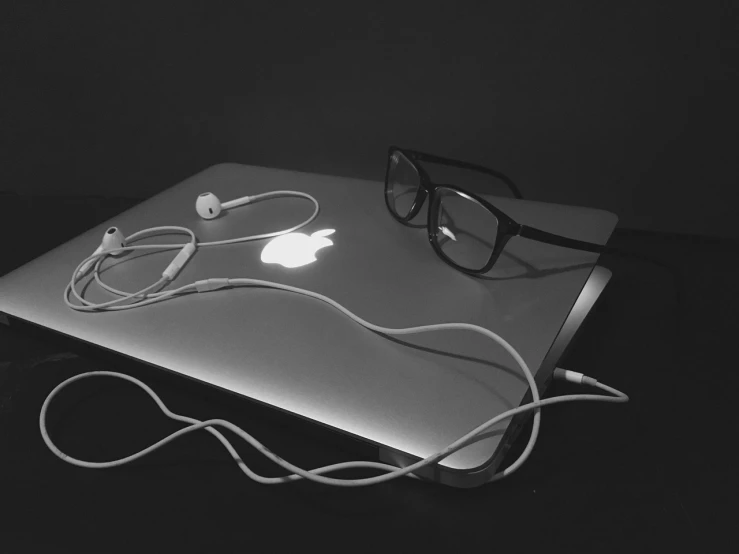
column 416, row 393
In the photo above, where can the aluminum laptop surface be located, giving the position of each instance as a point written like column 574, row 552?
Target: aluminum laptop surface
column 410, row 397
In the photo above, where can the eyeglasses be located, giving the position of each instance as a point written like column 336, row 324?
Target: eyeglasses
column 464, row 229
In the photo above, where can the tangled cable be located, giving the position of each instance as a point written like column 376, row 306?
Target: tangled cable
column 151, row 294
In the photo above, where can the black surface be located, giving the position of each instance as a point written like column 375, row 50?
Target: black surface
column 657, row 474
column 628, row 105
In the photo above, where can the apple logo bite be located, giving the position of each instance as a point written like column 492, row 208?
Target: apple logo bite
column 296, row 249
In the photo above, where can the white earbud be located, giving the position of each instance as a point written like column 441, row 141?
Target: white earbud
column 209, row 207
column 113, row 238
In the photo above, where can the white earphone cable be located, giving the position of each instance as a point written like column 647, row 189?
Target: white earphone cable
column 170, row 229
column 315, row 475
column 147, row 296
column 266, row 196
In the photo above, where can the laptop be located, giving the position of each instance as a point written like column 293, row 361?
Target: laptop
column 405, row 397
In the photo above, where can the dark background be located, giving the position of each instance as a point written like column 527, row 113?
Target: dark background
column 628, row 106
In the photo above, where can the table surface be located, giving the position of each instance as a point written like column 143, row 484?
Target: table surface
column 657, row 474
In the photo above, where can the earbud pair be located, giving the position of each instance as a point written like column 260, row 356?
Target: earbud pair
column 207, row 205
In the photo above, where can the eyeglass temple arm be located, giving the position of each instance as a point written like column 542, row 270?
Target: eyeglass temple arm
column 550, row 238
column 464, row 165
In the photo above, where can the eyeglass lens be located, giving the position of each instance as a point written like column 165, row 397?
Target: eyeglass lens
column 464, row 230
column 403, row 184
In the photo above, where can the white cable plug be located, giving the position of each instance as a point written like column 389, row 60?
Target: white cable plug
column 574, row 377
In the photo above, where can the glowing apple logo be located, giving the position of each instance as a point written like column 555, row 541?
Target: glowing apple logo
column 296, row 249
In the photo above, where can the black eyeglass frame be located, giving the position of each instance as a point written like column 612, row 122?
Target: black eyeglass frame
column 507, row 226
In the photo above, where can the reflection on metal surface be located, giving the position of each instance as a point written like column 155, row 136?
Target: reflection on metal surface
column 296, row 249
